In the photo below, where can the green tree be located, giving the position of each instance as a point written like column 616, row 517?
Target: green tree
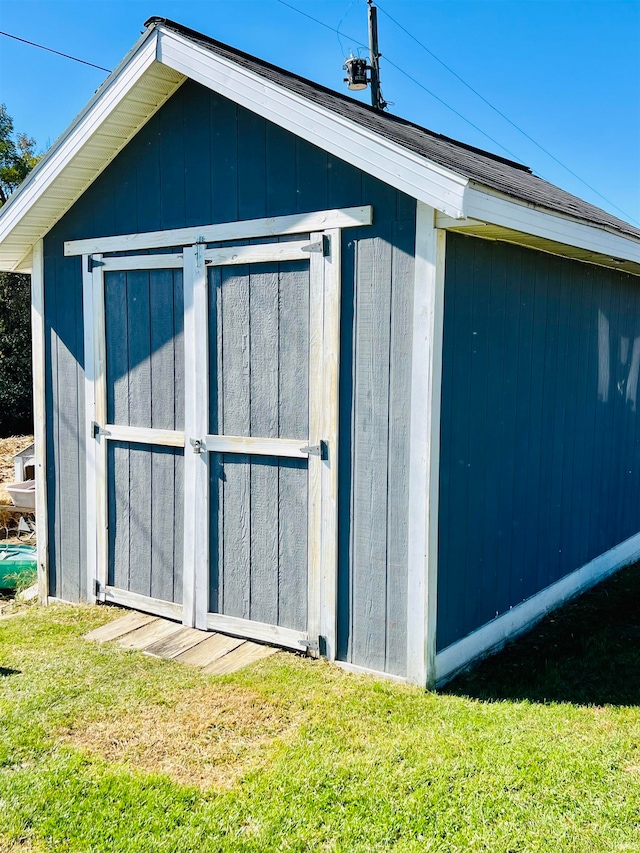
column 17, row 158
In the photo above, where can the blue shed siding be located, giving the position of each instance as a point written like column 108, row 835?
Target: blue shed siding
column 202, row 159
column 540, row 433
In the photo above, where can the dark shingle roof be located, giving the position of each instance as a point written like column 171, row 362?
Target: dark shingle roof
column 481, row 167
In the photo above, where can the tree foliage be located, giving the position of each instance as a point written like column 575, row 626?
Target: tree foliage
column 17, row 158
column 16, row 405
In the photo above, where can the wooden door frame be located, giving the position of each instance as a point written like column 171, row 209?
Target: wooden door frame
column 324, row 227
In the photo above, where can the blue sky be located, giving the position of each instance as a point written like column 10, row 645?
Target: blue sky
column 567, row 72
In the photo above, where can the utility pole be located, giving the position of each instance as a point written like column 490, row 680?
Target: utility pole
column 357, row 68
column 377, row 100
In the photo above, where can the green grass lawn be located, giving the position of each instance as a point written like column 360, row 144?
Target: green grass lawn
column 102, row 749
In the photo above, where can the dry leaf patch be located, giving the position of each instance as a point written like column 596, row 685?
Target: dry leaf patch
column 208, row 737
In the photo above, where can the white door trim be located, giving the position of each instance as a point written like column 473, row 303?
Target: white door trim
column 245, row 229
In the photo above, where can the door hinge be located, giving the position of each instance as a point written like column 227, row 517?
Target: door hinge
column 91, row 263
column 97, row 430
column 97, row 588
column 321, row 450
column 198, row 445
column 323, row 245
column 312, row 647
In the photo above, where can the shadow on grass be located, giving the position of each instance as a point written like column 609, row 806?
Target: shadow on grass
column 5, row 671
column 587, row 653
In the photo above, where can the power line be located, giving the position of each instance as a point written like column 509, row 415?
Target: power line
column 57, row 52
column 500, row 113
column 406, row 74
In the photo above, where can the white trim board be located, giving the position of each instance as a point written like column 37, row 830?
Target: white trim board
column 494, row 635
column 484, row 206
column 246, row 229
column 39, row 410
column 261, row 631
column 166, row 609
column 424, row 449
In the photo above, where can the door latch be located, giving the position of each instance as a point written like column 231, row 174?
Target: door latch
column 321, row 450
column 198, row 445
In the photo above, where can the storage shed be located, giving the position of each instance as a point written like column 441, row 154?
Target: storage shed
column 309, row 373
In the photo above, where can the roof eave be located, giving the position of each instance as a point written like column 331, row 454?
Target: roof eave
column 59, row 179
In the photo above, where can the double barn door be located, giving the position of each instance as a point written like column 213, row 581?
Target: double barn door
column 212, row 400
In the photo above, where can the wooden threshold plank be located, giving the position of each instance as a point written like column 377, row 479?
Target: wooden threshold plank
column 156, row 630
column 176, row 644
column 238, row 658
column 209, row 650
column 119, row 627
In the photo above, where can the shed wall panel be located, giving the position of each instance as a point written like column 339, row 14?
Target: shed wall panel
column 203, row 159
column 540, row 431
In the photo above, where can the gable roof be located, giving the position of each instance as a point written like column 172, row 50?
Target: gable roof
column 481, row 167
column 467, row 185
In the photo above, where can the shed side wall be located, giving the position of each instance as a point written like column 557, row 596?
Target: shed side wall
column 540, row 452
column 200, row 160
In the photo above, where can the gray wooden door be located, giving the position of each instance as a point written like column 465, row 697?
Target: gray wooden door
column 139, row 428
column 214, row 388
column 259, row 365
column 265, row 439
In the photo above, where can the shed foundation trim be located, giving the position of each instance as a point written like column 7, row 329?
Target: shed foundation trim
column 493, row 636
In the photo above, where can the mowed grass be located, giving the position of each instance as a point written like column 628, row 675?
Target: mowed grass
column 102, row 749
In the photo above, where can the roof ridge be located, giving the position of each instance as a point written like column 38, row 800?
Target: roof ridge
column 385, row 116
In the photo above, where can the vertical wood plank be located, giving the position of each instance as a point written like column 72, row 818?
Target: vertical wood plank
column 197, row 163
column 293, row 347
column 224, row 159
column 139, row 339
column 163, row 523
column 178, row 349
column 280, row 171
column 172, row 165
column 40, row 418
column 179, row 514
column 252, row 191
column 162, row 355
column 68, row 463
column 398, row 463
column 264, row 400
column 117, row 364
column 149, row 184
column 236, row 360
column 479, row 349
column 371, row 431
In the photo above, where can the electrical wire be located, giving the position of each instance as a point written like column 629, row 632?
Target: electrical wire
column 57, row 52
column 500, row 113
column 413, row 79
